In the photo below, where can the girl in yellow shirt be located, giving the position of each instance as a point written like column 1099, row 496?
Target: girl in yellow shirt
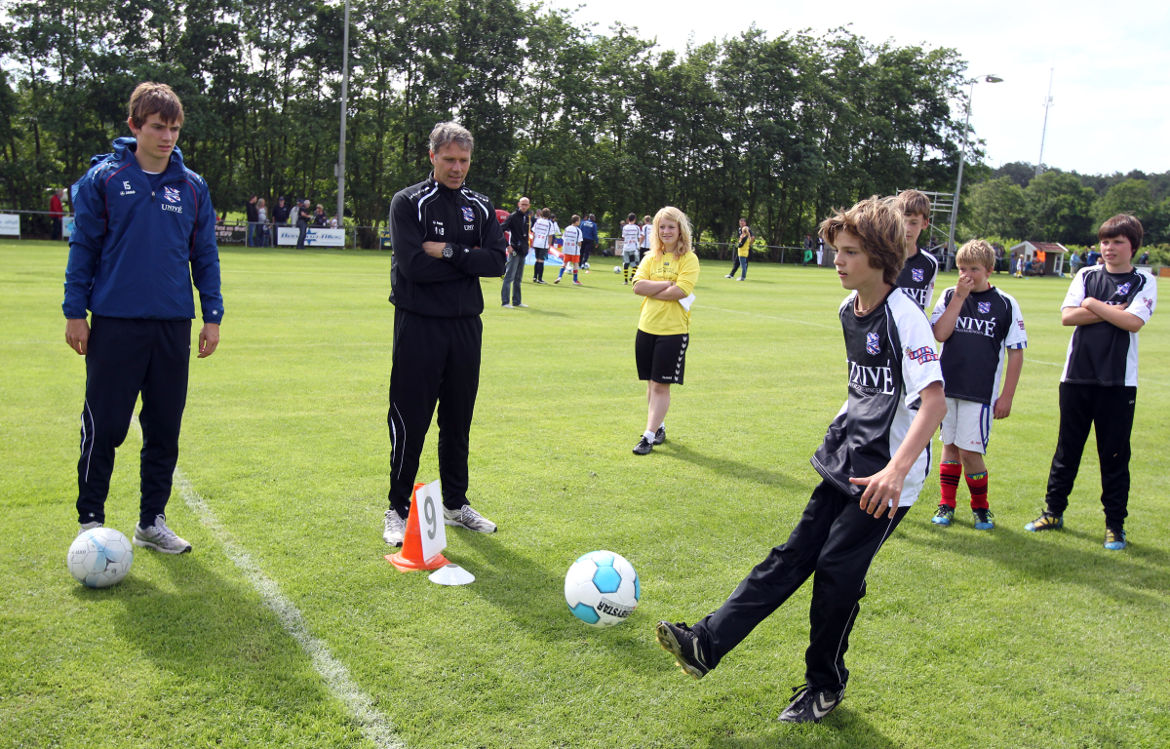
column 666, row 280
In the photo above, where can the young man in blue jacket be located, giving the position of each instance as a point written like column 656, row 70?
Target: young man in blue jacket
column 144, row 229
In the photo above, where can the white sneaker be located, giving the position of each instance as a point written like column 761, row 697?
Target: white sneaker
column 395, row 528
column 86, row 526
column 506, row 306
column 467, row 517
column 160, row 538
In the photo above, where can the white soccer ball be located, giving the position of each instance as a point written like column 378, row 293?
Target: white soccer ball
column 602, row 588
column 617, row 269
column 100, row 557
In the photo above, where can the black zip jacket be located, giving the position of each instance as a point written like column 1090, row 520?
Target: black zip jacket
column 437, row 287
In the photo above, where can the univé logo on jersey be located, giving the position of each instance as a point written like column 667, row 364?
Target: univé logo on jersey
column 867, row 380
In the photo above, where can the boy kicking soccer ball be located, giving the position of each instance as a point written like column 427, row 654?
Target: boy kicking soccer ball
column 872, row 463
column 978, row 323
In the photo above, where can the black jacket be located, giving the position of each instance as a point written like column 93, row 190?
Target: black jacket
column 436, row 287
column 519, row 224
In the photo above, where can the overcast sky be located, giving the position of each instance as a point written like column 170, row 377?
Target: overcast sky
column 1110, row 64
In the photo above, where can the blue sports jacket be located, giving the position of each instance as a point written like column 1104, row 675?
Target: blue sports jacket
column 135, row 250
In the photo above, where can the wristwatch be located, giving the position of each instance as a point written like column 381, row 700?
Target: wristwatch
column 449, row 251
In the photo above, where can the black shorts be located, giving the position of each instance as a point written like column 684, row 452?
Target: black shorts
column 661, row 358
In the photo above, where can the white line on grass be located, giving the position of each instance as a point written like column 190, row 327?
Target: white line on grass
column 374, row 725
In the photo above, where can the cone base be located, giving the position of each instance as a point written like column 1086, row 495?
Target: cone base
column 403, row 564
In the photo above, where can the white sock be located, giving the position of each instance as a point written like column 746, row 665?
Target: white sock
column 648, row 435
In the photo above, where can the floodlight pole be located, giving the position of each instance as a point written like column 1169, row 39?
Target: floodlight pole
column 1044, row 129
column 962, row 153
column 344, row 101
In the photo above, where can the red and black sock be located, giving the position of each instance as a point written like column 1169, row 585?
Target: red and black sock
column 977, row 483
column 949, row 472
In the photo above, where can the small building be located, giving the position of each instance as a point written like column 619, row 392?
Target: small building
column 1047, row 257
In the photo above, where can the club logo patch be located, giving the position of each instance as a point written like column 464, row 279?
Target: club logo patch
column 873, row 345
column 984, row 307
column 917, row 275
column 467, row 214
column 171, row 195
column 1123, row 289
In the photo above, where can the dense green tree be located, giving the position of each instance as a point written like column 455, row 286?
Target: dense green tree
column 1060, row 208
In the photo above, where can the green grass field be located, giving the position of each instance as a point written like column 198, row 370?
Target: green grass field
column 286, row 628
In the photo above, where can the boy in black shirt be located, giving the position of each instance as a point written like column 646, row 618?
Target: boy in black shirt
column 872, row 463
column 919, row 270
column 1106, row 305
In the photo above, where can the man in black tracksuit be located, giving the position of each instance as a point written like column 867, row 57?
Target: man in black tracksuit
column 445, row 237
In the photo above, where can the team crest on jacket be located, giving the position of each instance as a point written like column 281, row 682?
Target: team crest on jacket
column 171, row 195
column 984, row 307
column 873, row 345
column 467, row 213
column 916, row 274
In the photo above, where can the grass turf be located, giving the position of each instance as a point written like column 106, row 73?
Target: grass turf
column 966, row 638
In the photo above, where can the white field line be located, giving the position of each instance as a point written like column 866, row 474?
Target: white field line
column 373, row 724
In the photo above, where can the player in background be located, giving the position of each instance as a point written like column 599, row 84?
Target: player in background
column 872, row 464
column 144, row 230
column 644, row 237
column 921, row 268
column 979, row 325
column 541, row 241
column 1106, row 306
column 571, row 245
column 588, row 240
column 666, row 279
column 631, row 234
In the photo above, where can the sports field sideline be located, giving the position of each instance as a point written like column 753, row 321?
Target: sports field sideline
column 286, row 627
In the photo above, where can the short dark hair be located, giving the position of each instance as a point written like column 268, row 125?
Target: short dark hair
column 880, row 224
column 155, row 98
column 1123, row 225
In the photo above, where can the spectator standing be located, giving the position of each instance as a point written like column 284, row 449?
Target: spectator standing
column 253, row 219
column 588, row 240
column 303, row 217
column 280, row 216
column 57, row 213
column 518, row 227
column 262, row 222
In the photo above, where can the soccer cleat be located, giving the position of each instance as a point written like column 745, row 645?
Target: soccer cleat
column 643, row 447
column 984, row 519
column 1046, row 522
column 160, row 538
column 1114, row 539
column 660, row 435
column 557, row 280
column 681, row 642
column 87, row 526
column 729, row 276
column 394, row 529
column 810, row 706
column 467, row 517
column 578, row 283
column 944, row 516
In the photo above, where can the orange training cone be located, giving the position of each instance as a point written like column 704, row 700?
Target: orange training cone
column 410, row 558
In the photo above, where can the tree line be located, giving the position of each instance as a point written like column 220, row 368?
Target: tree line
column 777, row 129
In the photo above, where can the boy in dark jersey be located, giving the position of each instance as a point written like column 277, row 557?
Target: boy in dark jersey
column 1106, row 305
column 872, row 463
column 920, row 269
column 979, row 324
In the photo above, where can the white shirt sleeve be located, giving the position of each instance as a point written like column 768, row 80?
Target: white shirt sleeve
column 1076, row 289
column 1143, row 304
column 1017, row 337
column 941, row 306
column 920, row 364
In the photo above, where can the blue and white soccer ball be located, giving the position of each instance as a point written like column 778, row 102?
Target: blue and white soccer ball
column 617, row 269
column 602, row 588
column 100, row 557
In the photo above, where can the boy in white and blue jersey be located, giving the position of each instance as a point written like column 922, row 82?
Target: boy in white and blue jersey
column 572, row 249
column 1106, row 306
column 981, row 327
column 631, row 236
column 872, row 462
